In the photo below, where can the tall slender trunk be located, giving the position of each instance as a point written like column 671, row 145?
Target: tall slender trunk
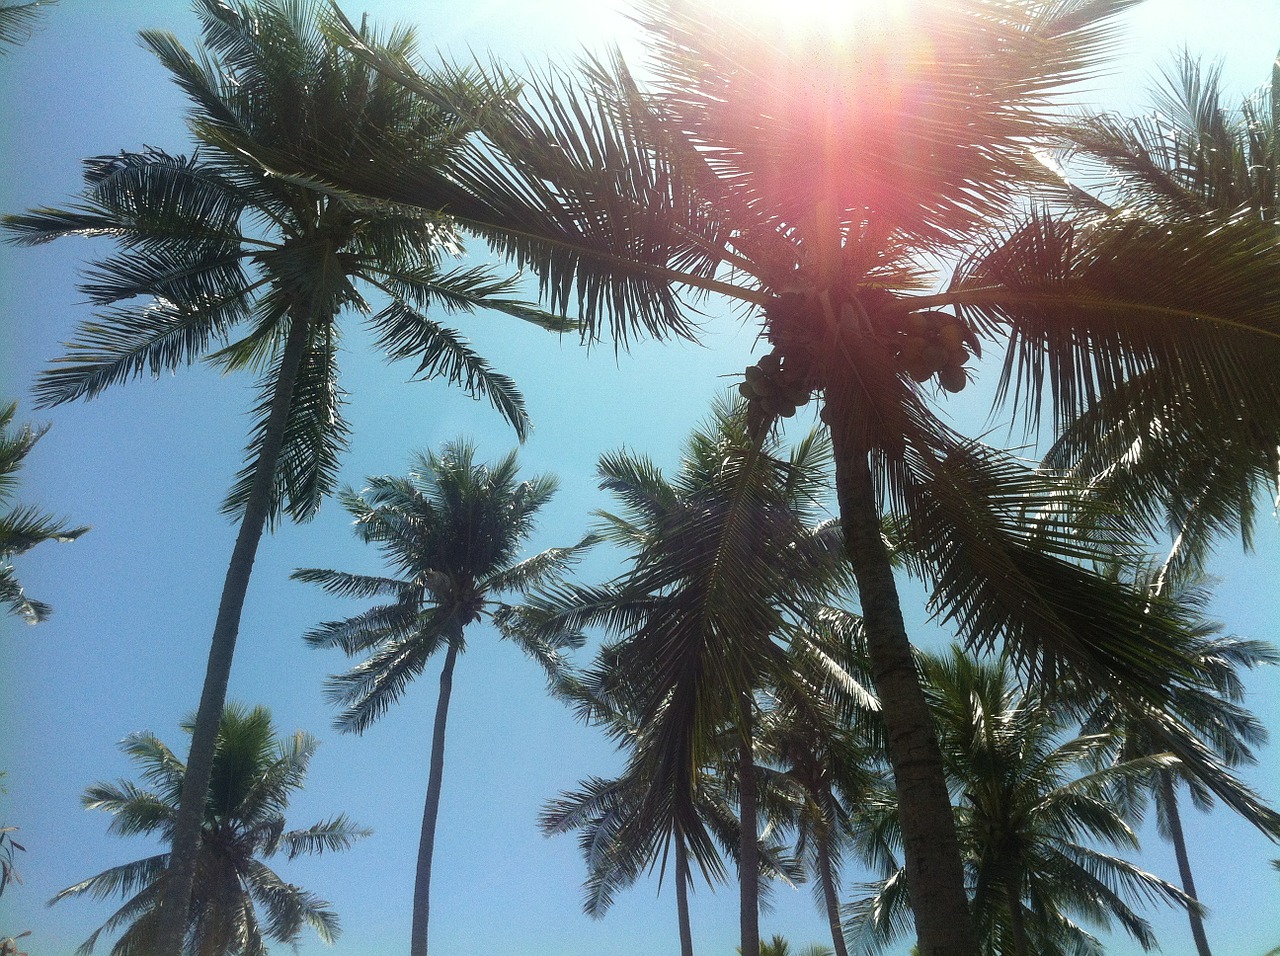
column 931, row 851
column 1017, row 925
column 829, row 897
column 431, row 810
column 195, row 785
column 749, row 834
column 682, row 897
column 1179, row 840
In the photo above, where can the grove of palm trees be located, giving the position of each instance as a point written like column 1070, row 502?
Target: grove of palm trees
column 863, row 416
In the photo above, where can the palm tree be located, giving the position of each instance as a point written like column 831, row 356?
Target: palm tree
column 619, row 839
column 451, row 531
column 225, row 263
column 722, row 557
column 22, row 527
column 619, row 842
column 1031, row 818
column 254, row 775
column 823, row 744
column 819, row 179
column 1212, row 710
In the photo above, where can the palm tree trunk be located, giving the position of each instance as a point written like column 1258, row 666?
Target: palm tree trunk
column 1176, row 835
column 431, row 810
column 222, row 647
column 682, row 897
column 935, row 872
column 749, row 835
column 829, row 897
column 1017, row 925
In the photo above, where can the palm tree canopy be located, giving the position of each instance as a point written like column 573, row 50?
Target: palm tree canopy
column 255, row 772
column 450, row 532
column 1033, row 815
column 22, row 527
column 723, row 556
column 218, row 260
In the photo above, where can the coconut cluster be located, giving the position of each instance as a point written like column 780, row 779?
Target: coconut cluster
column 774, row 387
column 934, row 343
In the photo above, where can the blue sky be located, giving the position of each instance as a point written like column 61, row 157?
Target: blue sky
column 147, row 466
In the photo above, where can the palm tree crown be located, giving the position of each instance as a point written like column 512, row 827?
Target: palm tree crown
column 451, row 531
column 1031, row 812
column 254, row 775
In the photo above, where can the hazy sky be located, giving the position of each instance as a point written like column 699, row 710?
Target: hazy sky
column 147, row 465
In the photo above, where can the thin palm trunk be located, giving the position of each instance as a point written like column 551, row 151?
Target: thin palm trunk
column 931, row 852
column 431, row 809
column 1017, row 926
column 682, row 897
column 830, row 899
column 1176, row 835
column 204, row 736
column 749, row 834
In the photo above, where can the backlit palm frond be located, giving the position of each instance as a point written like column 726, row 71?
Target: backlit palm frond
column 123, row 880
column 17, row 21
column 161, row 767
column 599, row 810
column 569, row 180
column 539, row 569
column 1090, row 306
column 332, row 835
column 441, row 352
column 152, row 338
column 1007, row 551
column 871, row 130
column 148, row 201
column 316, row 434
column 467, row 288
column 288, row 908
column 140, row 916
column 135, row 810
column 367, row 690
column 22, row 528
column 344, row 584
column 383, row 624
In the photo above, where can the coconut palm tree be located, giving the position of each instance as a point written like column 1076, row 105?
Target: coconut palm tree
column 1033, row 815
column 255, row 773
column 722, row 557
column 1213, row 711
column 222, row 262
column 817, row 178
column 22, row 527
column 450, row 532
column 619, row 840
column 823, row 750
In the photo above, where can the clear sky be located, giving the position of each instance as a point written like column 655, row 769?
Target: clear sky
column 147, row 465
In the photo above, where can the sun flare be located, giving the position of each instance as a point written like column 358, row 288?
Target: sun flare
column 838, row 22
